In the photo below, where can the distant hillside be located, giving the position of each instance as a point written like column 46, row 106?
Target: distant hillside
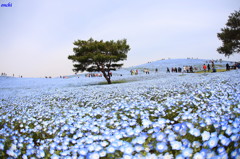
column 162, row 65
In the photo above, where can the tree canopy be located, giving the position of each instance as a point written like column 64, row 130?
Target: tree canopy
column 230, row 35
column 103, row 56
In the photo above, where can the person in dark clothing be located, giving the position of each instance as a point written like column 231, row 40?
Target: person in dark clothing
column 168, row 71
column 191, row 69
column 179, row 69
column 208, row 67
column 227, row 67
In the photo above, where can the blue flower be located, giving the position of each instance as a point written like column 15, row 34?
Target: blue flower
column 236, row 124
column 54, row 156
column 235, row 137
column 183, row 131
column 171, row 137
column 162, row 122
column 221, row 150
column 146, row 123
column 202, row 124
column 104, row 143
column 140, row 140
column 91, row 148
column 98, row 147
column 129, row 131
column 186, row 143
column 93, row 155
column 189, row 125
column 110, row 149
column 176, row 145
column 187, row 152
column 196, row 144
column 161, row 147
column 40, row 154
column 160, row 136
column 211, row 154
column 1, row 146
column 83, row 151
column 225, row 141
column 234, row 154
column 138, row 148
column 127, row 156
column 205, row 135
column 177, row 127
column 195, row 132
column 208, row 121
column 198, row 155
column 213, row 142
column 229, row 130
column 180, row 156
column 102, row 153
column 128, row 149
column 204, row 152
column 167, row 156
column 137, row 130
column 152, row 156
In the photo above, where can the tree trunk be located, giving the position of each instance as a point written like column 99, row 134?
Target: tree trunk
column 107, row 77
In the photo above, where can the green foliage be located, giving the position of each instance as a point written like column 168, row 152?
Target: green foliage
column 95, row 56
column 230, row 35
column 113, row 82
column 217, row 70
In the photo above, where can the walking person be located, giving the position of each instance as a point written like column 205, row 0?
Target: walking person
column 208, row 67
column 204, row 68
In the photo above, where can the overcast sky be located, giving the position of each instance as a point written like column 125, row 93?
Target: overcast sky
column 36, row 36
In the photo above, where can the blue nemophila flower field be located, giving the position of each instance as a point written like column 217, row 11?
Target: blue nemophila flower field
column 150, row 116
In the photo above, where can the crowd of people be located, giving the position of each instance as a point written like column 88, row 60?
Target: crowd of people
column 94, row 75
column 4, row 74
column 145, row 70
column 184, row 69
column 134, row 72
column 234, row 66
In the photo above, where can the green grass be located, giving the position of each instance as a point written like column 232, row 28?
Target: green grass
column 218, row 70
column 113, row 82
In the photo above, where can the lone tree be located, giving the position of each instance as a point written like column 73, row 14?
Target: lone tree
column 230, row 35
column 95, row 56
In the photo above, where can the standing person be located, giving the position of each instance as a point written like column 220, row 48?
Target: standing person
column 156, row 70
column 227, row 67
column 179, row 69
column 184, row 69
column 204, row 68
column 136, row 72
column 168, row 71
column 187, row 68
column 212, row 64
column 208, row 67
column 191, row 69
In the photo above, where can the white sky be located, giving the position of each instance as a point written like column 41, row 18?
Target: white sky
column 36, row 36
